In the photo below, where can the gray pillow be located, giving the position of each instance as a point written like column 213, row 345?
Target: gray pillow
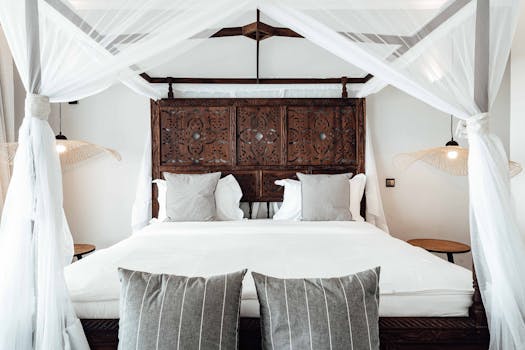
column 327, row 313
column 174, row 312
column 325, row 197
column 191, row 197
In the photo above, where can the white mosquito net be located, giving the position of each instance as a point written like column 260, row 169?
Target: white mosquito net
column 450, row 54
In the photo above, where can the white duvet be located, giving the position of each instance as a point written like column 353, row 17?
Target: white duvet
column 413, row 282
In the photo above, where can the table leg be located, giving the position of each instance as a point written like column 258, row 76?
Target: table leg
column 450, row 257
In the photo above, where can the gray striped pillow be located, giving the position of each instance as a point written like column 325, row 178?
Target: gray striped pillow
column 321, row 313
column 175, row 312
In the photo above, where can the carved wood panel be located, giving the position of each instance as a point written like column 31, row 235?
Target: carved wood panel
column 319, row 136
column 195, row 135
column 272, row 191
column 258, row 135
column 249, row 182
column 258, row 140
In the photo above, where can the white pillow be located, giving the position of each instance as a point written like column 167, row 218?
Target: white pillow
column 357, row 190
column 291, row 208
column 228, row 196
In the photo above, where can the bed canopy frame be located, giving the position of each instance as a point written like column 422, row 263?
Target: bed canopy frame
column 257, row 31
column 450, row 54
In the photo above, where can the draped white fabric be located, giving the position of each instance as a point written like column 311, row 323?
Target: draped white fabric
column 35, row 242
column 455, row 62
column 65, row 54
column 375, row 213
column 7, row 113
column 142, row 206
column 498, row 246
column 449, row 53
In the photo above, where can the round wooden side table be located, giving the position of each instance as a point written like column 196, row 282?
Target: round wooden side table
column 441, row 246
column 81, row 249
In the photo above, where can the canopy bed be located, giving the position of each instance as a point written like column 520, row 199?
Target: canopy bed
column 424, row 300
column 449, row 54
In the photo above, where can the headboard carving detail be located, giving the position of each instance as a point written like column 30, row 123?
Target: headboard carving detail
column 257, row 140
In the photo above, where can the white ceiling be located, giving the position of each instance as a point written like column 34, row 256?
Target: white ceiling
column 331, row 4
column 235, row 57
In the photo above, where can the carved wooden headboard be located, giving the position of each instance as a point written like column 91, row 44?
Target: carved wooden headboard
column 257, row 140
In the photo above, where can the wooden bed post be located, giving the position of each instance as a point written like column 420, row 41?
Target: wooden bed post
column 344, row 93
column 477, row 310
column 170, row 88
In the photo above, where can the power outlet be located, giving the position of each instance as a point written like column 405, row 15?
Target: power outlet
column 390, row 182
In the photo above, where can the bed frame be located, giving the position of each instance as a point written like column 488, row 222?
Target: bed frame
column 259, row 141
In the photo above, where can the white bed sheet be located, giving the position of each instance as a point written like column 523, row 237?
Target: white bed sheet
column 413, row 282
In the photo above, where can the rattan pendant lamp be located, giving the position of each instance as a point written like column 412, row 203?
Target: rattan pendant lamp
column 451, row 158
column 71, row 152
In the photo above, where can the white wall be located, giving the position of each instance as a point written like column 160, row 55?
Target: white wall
column 426, row 203
column 98, row 195
column 517, row 113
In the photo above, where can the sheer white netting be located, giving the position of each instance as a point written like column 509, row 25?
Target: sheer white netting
column 452, row 55
column 449, row 53
column 67, row 51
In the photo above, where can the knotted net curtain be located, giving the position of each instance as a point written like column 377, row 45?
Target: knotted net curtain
column 65, row 53
column 450, row 54
column 453, row 57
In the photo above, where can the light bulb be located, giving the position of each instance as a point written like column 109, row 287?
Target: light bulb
column 452, row 154
column 61, row 148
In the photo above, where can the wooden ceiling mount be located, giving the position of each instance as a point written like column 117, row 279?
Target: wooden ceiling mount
column 257, row 31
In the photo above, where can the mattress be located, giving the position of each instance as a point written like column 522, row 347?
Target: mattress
column 413, row 282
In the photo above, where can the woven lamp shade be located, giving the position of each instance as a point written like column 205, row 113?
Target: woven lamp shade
column 71, row 152
column 451, row 159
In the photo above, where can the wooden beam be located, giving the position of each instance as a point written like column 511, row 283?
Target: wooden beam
column 482, row 54
column 250, row 31
column 167, row 80
column 406, row 42
column 286, row 32
column 426, row 30
column 34, row 77
column 258, row 39
column 76, row 23
column 377, row 38
column 232, row 31
column 432, row 25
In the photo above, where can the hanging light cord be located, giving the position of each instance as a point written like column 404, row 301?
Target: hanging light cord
column 60, row 136
column 60, row 118
column 451, row 127
column 452, row 142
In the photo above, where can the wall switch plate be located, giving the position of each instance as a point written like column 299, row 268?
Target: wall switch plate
column 390, row 182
